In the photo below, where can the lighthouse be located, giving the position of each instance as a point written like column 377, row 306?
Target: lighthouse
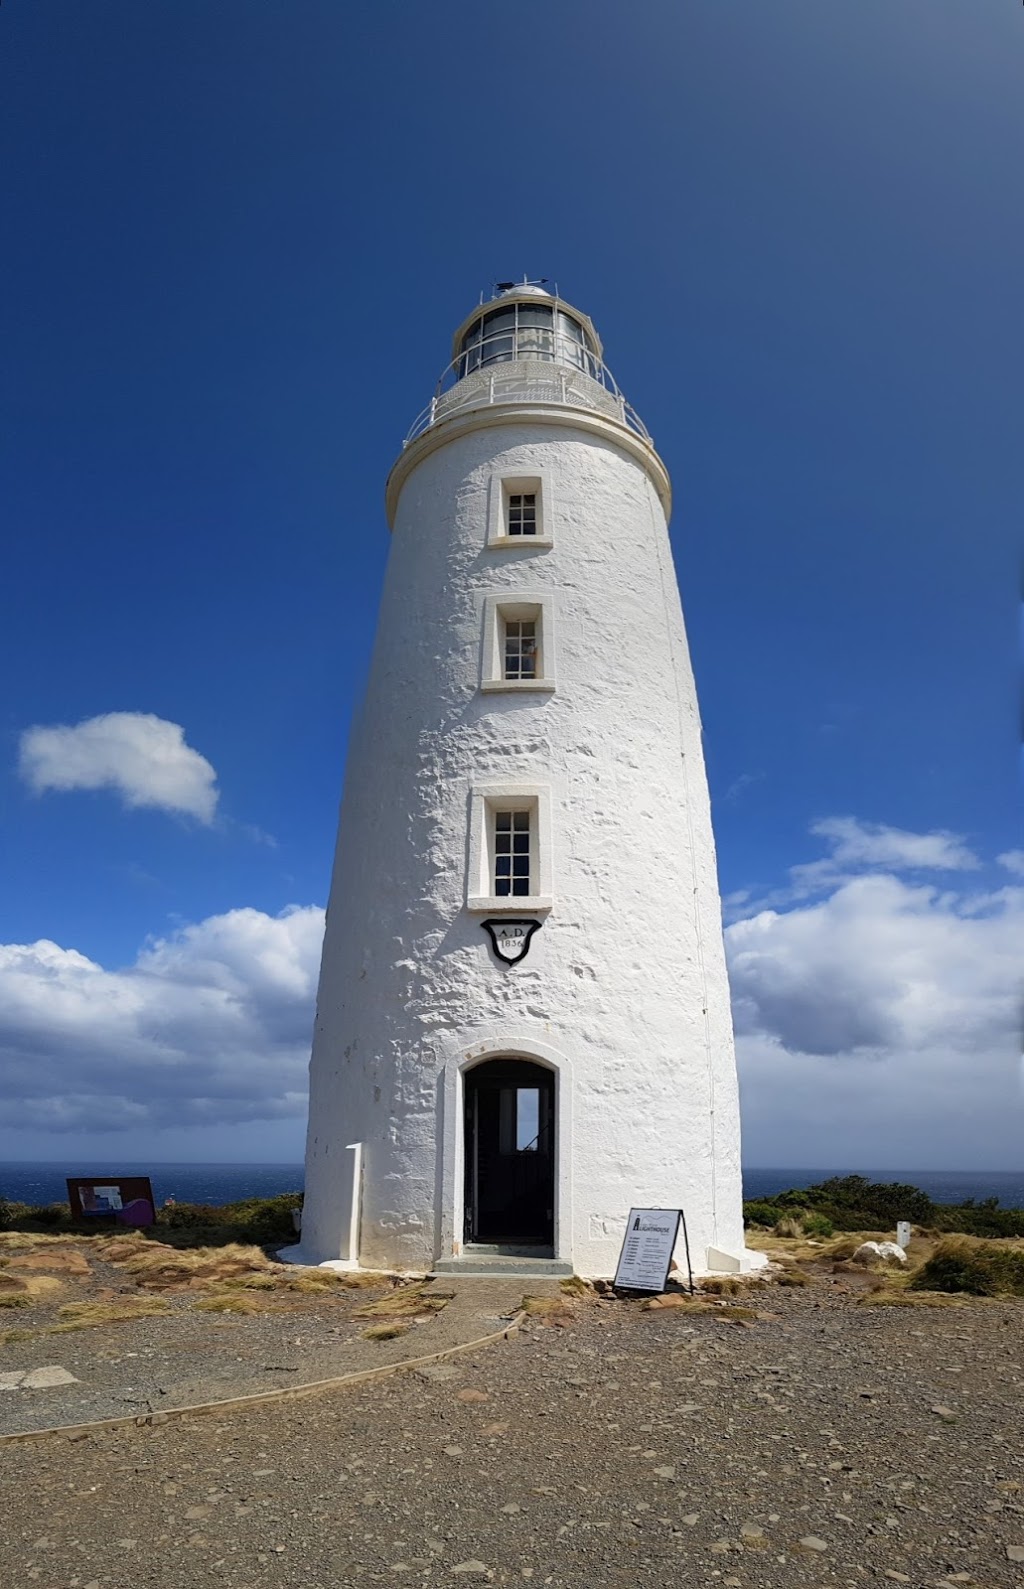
column 523, row 1025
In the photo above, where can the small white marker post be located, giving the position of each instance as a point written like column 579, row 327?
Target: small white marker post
column 903, row 1234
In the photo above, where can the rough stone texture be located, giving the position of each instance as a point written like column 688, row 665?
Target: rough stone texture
column 624, row 993
column 868, row 1251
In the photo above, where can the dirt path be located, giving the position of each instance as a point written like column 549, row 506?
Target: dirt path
column 828, row 1443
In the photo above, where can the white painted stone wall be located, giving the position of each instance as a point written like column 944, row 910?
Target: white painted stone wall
column 624, row 991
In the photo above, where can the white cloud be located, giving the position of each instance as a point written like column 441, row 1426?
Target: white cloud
column 856, row 848
column 1013, row 861
column 877, row 1026
column 209, row 1026
column 144, row 758
column 873, row 844
column 880, row 1026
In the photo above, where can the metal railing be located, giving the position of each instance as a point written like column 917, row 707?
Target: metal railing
column 518, row 366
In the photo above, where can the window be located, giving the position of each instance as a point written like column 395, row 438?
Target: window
column 511, row 853
column 519, row 514
column 509, row 848
column 519, row 1120
column 520, row 648
column 528, row 331
column 518, row 642
column 522, row 513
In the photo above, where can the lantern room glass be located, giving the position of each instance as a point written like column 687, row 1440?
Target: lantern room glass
column 526, row 331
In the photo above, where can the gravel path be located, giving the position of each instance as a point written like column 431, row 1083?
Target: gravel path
column 152, row 1365
column 825, row 1443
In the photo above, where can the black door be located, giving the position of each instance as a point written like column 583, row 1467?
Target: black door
column 510, row 1160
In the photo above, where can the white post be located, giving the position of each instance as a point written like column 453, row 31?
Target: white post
column 355, row 1210
column 903, row 1234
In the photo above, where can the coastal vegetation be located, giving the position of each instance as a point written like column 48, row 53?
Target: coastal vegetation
column 853, row 1203
column 259, row 1221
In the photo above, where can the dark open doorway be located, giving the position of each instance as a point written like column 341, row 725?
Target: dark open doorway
column 510, row 1158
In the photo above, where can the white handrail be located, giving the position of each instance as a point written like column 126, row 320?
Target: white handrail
column 576, row 379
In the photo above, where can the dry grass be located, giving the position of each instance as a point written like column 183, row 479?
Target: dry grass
column 692, row 1306
column 229, row 1302
column 404, row 1303
column 32, row 1240
column 385, row 1332
column 722, row 1286
column 80, row 1315
column 157, row 1267
column 575, row 1286
column 549, row 1310
column 888, row 1296
column 8, row 1337
column 15, row 1299
column 357, row 1279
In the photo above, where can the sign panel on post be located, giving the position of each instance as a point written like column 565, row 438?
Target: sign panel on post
column 647, row 1249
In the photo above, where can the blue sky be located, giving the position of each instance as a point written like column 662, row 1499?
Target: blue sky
column 239, row 236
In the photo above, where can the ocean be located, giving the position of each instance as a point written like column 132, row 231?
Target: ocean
column 230, row 1183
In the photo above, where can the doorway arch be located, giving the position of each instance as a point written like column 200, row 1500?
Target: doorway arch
column 510, row 1133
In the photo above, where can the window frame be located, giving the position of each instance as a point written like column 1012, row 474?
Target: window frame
column 501, row 607
column 503, row 488
column 486, row 801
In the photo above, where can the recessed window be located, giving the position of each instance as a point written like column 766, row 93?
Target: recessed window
column 518, row 643
column 519, row 513
column 511, row 853
column 522, row 513
column 509, row 848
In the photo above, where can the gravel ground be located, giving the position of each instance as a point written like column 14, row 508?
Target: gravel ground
column 825, row 1443
column 151, row 1365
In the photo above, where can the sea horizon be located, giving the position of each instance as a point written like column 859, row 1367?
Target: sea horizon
column 216, row 1182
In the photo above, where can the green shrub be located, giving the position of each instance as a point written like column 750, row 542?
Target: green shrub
column 818, row 1225
column 758, row 1212
column 980, row 1268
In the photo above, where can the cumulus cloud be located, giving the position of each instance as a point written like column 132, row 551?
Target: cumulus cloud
column 877, row 1021
column 210, row 1026
column 881, row 1022
column 1013, row 861
column 873, row 844
column 143, row 757
column 857, row 848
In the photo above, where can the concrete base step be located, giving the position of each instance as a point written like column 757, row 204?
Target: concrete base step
column 492, row 1266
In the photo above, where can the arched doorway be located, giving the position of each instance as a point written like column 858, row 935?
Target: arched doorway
column 510, row 1154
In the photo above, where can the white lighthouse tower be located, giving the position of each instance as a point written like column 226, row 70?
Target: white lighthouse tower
column 523, row 1023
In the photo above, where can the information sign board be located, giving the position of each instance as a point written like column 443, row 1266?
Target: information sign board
column 647, row 1249
column 127, row 1199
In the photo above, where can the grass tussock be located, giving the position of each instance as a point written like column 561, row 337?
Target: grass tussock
column 721, row 1286
column 978, row 1268
column 407, row 1302
column 315, row 1282
column 691, row 1307
column 34, row 1240
column 550, row 1310
column 15, row 1299
column 229, row 1302
column 576, row 1286
column 158, row 1267
column 80, row 1315
column 385, row 1332
column 793, row 1277
column 9, row 1337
